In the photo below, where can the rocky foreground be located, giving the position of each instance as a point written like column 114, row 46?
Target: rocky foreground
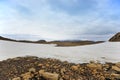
column 34, row 68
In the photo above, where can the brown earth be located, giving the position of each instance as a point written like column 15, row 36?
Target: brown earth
column 34, row 68
column 73, row 43
column 115, row 38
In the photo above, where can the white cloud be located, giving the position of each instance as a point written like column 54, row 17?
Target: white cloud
column 52, row 24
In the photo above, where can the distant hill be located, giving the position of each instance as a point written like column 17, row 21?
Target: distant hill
column 3, row 38
column 26, row 41
column 74, row 43
column 115, row 38
column 58, row 43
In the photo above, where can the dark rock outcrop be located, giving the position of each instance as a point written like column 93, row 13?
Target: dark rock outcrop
column 115, row 38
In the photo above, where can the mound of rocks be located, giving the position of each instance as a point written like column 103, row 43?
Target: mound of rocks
column 116, row 37
column 40, row 75
column 34, row 68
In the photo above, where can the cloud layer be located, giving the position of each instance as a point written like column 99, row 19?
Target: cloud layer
column 60, row 19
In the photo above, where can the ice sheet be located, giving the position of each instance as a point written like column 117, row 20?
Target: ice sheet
column 103, row 52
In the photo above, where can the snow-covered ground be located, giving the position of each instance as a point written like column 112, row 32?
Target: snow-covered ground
column 103, row 52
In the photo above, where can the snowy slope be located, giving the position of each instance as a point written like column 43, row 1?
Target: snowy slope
column 104, row 52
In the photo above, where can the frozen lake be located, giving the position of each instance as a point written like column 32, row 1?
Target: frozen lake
column 103, row 52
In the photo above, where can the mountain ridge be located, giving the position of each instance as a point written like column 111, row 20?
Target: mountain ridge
column 58, row 43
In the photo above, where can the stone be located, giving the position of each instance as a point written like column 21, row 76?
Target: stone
column 62, row 71
column 50, row 76
column 66, row 77
column 60, row 79
column 116, row 68
column 41, row 71
column 105, row 67
column 94, row 66
column 74, row 68
column 17, row 78
column 55, row 67
column 40, row 65
column 113, row 75
column 32, row 70
column 47, row 65
column 118, row 64
column 102, row 78
column 26, row 76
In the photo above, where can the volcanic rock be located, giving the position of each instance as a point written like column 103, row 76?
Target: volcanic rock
column 74, row 68
column 116, row 68
column 94, row 66
column 50, row 76
column 34, row 68
column 17, row 78
column 115, row 38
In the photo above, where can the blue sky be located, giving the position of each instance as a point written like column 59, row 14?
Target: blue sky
column 60, row 19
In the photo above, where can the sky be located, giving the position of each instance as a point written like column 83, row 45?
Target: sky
column 61, row 19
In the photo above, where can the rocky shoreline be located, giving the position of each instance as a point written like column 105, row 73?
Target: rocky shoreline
column 34, row 68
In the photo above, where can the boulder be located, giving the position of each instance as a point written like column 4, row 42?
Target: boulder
column 116, row 68
column 26, row 76
column 94, row 66
column 48, row 75
column 41, row 71
column 32, row 70
column 40, row 65
column 66, row 77
column 113, row 75
column 62, row 71
column 17, row 78
column 74, row 68
column 118, row 64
